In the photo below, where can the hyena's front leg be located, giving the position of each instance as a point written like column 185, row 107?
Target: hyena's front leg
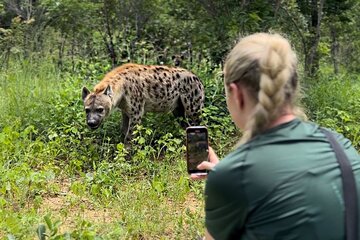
column 125, row 124
column 134, row 118
column 133, row 121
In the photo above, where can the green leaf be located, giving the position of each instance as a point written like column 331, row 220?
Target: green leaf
column 8, row 186
column 48, row 222
column 11, row 237
column 41, row 232
column 141, row 140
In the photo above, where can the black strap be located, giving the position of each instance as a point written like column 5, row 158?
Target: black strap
column 349, row 188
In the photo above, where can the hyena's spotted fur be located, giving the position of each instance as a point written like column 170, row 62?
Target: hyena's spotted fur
column 137, row 89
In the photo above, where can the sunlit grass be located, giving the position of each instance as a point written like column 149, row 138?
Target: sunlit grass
column 25, row 89
column 55, row 171
column 59, row 175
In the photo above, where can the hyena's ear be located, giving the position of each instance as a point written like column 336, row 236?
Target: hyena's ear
column 85, row 92
column 108, row 91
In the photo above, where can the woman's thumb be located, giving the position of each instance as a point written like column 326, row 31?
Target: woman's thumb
column 205, row 165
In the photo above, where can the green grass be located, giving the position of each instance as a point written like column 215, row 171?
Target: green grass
column 334, row 102
column 60, row 178
column 57, row 176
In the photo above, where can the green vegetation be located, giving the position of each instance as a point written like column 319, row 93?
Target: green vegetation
column 334, row 102
column 60, row 180
column 70, row 181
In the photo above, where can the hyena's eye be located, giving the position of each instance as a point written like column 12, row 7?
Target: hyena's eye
column 87, row 110
column 99, row 110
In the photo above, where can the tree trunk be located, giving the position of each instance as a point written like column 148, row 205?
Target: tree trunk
column 61, row 48
column 334, row 48
column 312, row 57
column 109, row 39
column 72, row 50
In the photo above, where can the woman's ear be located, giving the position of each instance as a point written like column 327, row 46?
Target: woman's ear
column 237, row 94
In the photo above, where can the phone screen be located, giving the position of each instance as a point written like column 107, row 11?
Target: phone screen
column 197, row 148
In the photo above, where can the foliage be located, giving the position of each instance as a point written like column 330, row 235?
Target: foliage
column 48, row 154
column 141, row 31
column 334, row 103
column 61, row 180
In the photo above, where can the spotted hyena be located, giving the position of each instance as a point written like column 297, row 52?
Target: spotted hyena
column 136, row 89
column 177, row 60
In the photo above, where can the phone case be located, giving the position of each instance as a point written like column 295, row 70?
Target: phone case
column 196, row 148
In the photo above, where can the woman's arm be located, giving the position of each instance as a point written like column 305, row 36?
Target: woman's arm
column 208, row 236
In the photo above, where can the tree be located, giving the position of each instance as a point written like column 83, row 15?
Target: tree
column 338, row 20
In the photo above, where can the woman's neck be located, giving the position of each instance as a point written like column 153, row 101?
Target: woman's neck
column 282, row 119
column 286, row 115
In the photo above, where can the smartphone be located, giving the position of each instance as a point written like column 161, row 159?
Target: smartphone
column 197, row 148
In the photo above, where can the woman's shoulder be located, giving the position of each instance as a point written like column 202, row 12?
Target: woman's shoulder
column 295, row 130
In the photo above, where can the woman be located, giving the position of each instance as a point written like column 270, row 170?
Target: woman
column 283, row 181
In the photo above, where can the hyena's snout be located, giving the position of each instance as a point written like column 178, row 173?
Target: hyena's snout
column 93, row 122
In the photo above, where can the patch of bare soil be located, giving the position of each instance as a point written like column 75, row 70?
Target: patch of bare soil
column 193, row 203
column 69, row 209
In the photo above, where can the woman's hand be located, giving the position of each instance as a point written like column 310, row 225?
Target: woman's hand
column 208, row 165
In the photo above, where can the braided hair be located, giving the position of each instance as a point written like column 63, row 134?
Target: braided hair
column 266, row 65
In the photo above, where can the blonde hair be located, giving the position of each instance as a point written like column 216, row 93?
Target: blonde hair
column 266, row 65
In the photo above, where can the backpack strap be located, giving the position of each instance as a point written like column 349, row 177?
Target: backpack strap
column 349, row 188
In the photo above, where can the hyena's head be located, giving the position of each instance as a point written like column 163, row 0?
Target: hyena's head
column 177, row 60
column 97, row 106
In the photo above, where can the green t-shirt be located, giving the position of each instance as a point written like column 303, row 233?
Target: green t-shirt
column 283, row 184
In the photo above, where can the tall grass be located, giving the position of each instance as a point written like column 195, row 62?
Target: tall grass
column 27, row 91
column 334, row 102
column 59, row 177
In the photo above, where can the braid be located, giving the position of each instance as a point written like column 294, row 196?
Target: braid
column 265, row 63
column 271, row 96
column 274, row 76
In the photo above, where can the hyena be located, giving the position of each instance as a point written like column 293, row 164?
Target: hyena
column 136, row 89
column 177, row 60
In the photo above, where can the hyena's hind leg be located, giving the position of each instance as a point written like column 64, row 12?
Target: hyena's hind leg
column 193, row 106
column 179, row 113
column 124, row 124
